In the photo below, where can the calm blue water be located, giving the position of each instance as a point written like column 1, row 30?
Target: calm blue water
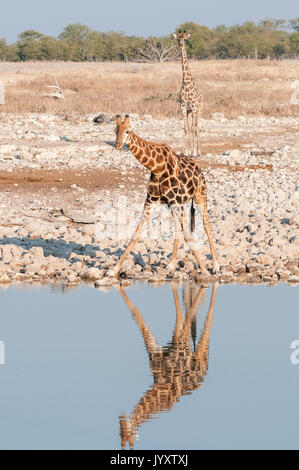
column 76, row 361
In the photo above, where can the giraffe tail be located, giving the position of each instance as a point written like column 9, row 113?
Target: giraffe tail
column 192, row 218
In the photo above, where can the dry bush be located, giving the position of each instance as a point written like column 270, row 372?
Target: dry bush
column 232, row 87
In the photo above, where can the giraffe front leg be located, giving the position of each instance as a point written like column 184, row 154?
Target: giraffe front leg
column 186, row 130
column 173, row 262
column 151, row 344
column 202, row 350
column 136, row 236
column 172, row 265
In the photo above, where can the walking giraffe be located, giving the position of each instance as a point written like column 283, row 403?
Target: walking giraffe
column 174, row 180
column 191, row 100
column 177, row 368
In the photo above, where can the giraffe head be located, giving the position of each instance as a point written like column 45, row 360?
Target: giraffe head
column 127, row 434
column 122, row 131
column 181, row 37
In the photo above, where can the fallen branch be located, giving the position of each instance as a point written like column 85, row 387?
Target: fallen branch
column 41, row 217
column 57, row 93
column 78, row 217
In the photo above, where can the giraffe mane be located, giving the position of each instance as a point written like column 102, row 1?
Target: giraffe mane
column 152, row 143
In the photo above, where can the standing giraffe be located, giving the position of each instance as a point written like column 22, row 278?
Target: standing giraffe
column 191, row 100
column 175, row 180
column 177, row 368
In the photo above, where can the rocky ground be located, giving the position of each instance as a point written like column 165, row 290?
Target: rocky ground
column 63, row 187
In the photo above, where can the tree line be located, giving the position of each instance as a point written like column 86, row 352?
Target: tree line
column 270, row 38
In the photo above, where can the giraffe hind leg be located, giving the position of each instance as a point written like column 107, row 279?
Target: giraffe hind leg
column 193, row 135
column 198, row 152
column 201, row 200
column 176, row 242
column 190, row 241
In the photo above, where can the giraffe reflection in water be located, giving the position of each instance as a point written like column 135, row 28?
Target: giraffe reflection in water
column 179, row 368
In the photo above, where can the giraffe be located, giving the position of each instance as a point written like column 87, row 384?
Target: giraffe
column 174, row 181
column 177, row 368
column 191, row 100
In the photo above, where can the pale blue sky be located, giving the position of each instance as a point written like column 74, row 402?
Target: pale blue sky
column 140, row 17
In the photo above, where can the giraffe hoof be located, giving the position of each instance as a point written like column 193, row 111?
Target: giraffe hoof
column 204, row 272
column 202, row 277
column 170, row 270
column 216, row 268
column 112, row 273
column 171, row 266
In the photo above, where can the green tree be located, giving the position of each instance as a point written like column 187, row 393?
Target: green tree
column 273, row 41
column 273, row 25
column 49, row 48
column 237, row 41
column 294, row 24
column 95, row 46
column 3, row 49
column 78, row 39
column 268, row 38
column 275, row 38
column 12, row 53
column 28, row 45
column 200, row 43
column 131, row 48
column 294, row 43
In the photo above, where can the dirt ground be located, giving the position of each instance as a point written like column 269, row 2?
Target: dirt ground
column 32, row 181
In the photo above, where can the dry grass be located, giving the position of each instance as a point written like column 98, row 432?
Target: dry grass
column 231, row 87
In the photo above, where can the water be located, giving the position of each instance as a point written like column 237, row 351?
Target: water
column 75, row 372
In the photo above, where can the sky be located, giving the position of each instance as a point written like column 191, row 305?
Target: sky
column 134, row 17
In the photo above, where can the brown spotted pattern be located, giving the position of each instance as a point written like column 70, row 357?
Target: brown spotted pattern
column 177, row 368
column 174, row 180
column 191, row 100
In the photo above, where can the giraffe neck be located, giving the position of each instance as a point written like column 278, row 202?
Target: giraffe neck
column 151, row 155
column 185, row 65
column 155, row 400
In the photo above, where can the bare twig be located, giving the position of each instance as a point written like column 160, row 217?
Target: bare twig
column 157, row 51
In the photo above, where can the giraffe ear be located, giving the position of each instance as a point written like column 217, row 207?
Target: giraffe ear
column 175, row 35
column 188, row 35
column 118, row 119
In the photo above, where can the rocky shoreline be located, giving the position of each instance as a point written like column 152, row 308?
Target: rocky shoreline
column 251, row 167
